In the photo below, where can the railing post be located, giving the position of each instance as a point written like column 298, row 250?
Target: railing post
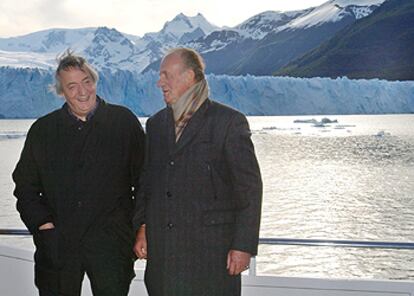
column 252, row 269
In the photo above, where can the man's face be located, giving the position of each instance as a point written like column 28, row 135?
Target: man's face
column 174, row 79
column 79, row 90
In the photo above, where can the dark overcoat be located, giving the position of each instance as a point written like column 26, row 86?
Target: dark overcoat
column 83, row 184
column 203, row 198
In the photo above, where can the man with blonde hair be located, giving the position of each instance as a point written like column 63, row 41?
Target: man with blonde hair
column 198, row 213
column 75, row 184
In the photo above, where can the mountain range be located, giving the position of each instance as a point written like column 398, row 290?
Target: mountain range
column 261, row 45
column 379, row 46
column 354, row 38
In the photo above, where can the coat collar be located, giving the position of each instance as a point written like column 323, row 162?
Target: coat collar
column 98, row 115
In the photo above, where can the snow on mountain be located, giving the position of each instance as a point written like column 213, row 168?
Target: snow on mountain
column 286, row 43
column 49, row 41
column 183, row 24
column 180, row 31
column 378, row 46
column 24, row 93
column 261, row 24
column 333, row 11
column 215, row 41
column 105, row 48
column 178, row 27
column 110, row 49
column 265, row 42
column 255, row 28
column 27, row 60
column 344, row 3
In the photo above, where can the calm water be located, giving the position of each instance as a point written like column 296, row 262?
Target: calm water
column 353, row 179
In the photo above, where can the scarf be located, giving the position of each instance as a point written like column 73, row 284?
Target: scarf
column 187, row 105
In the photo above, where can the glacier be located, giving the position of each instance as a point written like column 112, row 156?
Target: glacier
column 24, row 93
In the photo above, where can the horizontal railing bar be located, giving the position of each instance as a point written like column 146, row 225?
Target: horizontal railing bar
column 14, row 231
column 337, row 243
column 291, row 241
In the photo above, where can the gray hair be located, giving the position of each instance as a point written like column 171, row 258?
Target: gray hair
column 191, row 60
column 69, row 60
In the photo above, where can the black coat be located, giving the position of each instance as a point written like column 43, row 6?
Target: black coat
column 202, row 198
column 81, row 178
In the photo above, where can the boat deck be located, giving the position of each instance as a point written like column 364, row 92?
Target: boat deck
column 16, row 274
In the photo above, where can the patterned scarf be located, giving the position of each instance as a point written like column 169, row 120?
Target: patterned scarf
column 187, row 105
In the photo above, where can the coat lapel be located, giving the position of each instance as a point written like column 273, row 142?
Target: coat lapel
column 170, row 130
column 193, row 127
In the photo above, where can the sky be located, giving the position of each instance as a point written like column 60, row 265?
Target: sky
column 137, row 17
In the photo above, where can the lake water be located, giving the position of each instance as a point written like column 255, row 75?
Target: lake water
column 350, row 179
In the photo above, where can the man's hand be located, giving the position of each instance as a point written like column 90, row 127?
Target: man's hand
column 237, row 261
column 46, row 226
column 140, row 247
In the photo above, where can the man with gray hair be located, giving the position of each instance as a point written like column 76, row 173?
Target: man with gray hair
column 198, row 210
column 75, row 183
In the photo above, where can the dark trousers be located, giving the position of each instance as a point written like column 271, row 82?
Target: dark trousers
column 109, row 267
column 46, row 293
column 106, row 279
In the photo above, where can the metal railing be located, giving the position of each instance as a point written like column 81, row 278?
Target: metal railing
column 9, row 231
column 289, row 241
column 337, row 243
column 330, row 243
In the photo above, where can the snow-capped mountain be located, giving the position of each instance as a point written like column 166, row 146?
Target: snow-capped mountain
column 183, row 25
column 27, row 60
column 303, row 33
column 260, row 45
column 261, row 24
column 230, row 44
column 179, row 31
column 267, row 41
column 379, row 46
column 104, row 47
column 110, row 49
column 334, row 11
column 255, row 28
column 49, row 41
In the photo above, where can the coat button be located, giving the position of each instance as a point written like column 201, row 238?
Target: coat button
column 169, row 194
column 170, row 225
column 172, row 163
